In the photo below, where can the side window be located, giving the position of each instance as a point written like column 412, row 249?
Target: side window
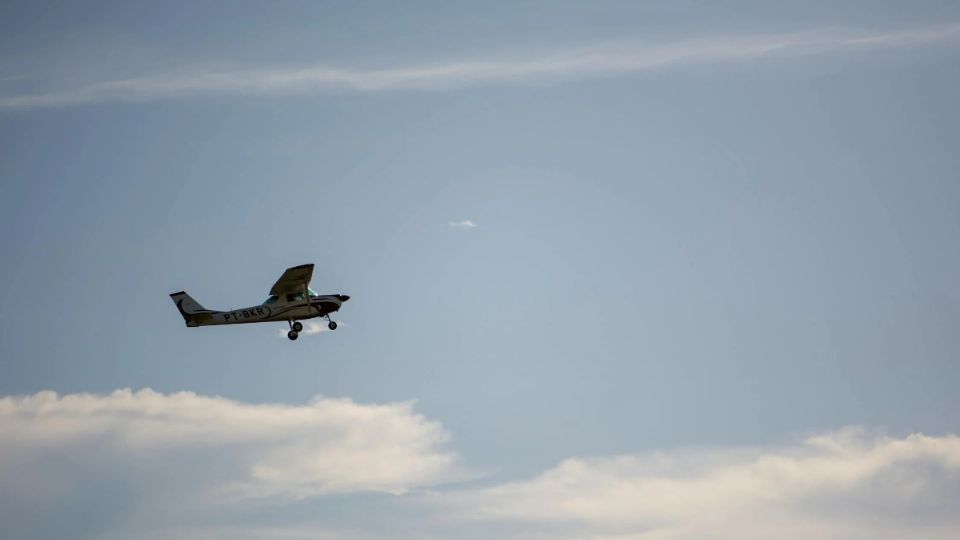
column 271, row 300
column 294, row 297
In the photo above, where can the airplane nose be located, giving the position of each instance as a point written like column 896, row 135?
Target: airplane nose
column 343, row 297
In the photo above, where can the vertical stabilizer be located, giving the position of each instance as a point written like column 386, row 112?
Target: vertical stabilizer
column 188, row 307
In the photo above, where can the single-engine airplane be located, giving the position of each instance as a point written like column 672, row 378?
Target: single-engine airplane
column 291, row 300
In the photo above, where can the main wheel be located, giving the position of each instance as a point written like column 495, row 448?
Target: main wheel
column 293, row 335
column 297, row 327
column 332, row 325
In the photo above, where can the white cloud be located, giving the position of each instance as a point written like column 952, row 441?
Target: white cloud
column 465, row 224
column 845, row 484
column 606, row 58
column 149, row 465
column 312, row 328
column 250, row 532
column 252, row 450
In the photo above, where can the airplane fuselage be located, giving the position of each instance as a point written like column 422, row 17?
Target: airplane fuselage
column 318, row 306
column 291, row 300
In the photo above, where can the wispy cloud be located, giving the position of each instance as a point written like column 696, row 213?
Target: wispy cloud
column 607, row 58
column 465, row 224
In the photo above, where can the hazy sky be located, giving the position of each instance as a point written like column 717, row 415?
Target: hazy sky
column 619, row 270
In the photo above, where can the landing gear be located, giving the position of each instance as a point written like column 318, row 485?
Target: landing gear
column 295, row 328
column 332, row 325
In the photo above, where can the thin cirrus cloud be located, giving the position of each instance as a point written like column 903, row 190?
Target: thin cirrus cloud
column 845, row 484
column 599, row 59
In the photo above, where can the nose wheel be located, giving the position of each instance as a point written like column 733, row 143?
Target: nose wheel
column 331, row 324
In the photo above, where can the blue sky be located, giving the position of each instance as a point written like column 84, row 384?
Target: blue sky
column 713, row 245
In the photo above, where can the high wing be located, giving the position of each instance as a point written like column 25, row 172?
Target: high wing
column 293, row 280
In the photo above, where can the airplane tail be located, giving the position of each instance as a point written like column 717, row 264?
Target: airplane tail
column 188, row 307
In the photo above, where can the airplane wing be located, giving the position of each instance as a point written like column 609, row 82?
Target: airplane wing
column 293, row 280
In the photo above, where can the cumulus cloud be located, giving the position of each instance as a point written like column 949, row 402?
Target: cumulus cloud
column 183, row 450
column 151, row 465
column 845, row 484
column 465, row 224
column 604, row 58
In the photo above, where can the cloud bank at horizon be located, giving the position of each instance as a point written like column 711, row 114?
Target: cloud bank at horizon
column 203, row 459
column 843, row 484
column 263, row 450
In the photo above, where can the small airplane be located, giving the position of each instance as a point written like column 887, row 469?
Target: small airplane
column 291, row 300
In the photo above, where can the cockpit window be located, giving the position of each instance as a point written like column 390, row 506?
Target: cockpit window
column 292, row 297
